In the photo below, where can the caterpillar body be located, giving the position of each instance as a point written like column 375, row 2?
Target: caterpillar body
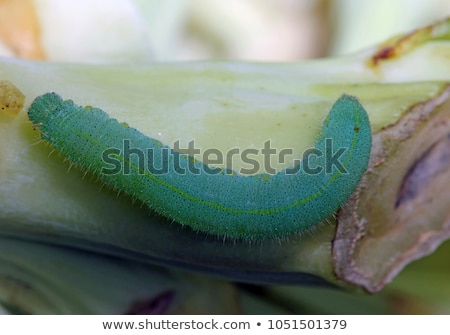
column 216, row 201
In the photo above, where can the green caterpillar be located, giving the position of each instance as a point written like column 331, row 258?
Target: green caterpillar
column 215, row 201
